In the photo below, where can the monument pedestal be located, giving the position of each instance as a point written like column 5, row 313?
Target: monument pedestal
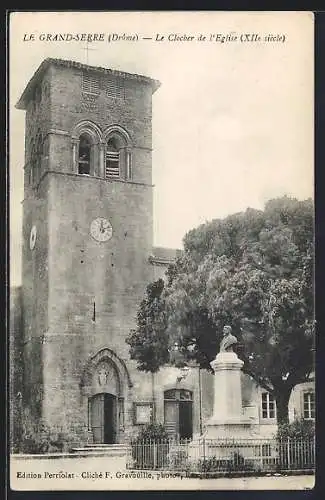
column 227, row 420
column 227, row 431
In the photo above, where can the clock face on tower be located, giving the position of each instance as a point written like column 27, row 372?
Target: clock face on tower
column 32, row 237
column 101, row 229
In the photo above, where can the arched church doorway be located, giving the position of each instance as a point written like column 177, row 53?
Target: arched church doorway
column 105, row 384
column 105, row 404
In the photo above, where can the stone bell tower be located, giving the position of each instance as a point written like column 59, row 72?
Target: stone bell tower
column 87, row 241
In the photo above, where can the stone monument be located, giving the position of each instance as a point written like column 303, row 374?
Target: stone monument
column 227, row 419
column 228, row 431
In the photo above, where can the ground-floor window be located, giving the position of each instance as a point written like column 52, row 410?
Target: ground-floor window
column 178, row 412
column 309, row 405
column 268, row 405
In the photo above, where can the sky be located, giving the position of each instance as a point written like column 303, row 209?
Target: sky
column 232, row 121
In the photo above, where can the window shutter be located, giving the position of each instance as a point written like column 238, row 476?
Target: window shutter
column 115, row 88
column 90, row 84
column 112, row 164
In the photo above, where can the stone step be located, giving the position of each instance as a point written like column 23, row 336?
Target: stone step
column 104, row 445
column 97, row 453
column 90, row 453
column 101, row 450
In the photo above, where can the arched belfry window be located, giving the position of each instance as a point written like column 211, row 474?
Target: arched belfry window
column 112, row 162
column 118, row 160
column 86, row 138
column 84, row 155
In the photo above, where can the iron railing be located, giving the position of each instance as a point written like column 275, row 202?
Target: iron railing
column 223, row 455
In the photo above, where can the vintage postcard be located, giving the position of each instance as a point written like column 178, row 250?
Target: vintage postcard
column 161, row 250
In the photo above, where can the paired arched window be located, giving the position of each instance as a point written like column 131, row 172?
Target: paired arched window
column 105, row 155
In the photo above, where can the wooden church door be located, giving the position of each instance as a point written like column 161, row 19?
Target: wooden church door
column 103, row 418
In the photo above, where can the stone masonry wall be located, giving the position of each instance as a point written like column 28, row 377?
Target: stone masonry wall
column 79, row 270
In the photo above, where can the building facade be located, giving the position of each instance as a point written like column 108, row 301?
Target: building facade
column 87, row 258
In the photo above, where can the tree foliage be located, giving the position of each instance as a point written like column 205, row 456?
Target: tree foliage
column 152, row 433
column 254, row 271
column 147, row 342
column 299, row 429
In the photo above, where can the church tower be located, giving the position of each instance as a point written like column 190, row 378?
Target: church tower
column 87, row 242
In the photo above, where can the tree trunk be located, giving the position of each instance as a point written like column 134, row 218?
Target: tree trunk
column 153, row 398
column 282, row 396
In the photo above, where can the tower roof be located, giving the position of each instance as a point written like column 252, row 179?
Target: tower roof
column 39, row 73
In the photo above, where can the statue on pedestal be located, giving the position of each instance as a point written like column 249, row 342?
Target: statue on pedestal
column 228, row 340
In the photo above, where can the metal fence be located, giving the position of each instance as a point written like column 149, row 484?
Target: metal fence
column 223, row 455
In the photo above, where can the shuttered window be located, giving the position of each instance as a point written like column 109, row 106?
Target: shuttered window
column 90, row 84
column 112, row 165
column 115, row 88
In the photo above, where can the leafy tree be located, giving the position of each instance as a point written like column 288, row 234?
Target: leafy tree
column 253, row 270
column 148, row 342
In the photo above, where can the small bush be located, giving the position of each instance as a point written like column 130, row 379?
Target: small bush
column 145, row 453
column 213, row 464
column 153, row 432
column 40, row 439
column 295, row 445
column 299, row 429
column 238, row 461
column 235, row 463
